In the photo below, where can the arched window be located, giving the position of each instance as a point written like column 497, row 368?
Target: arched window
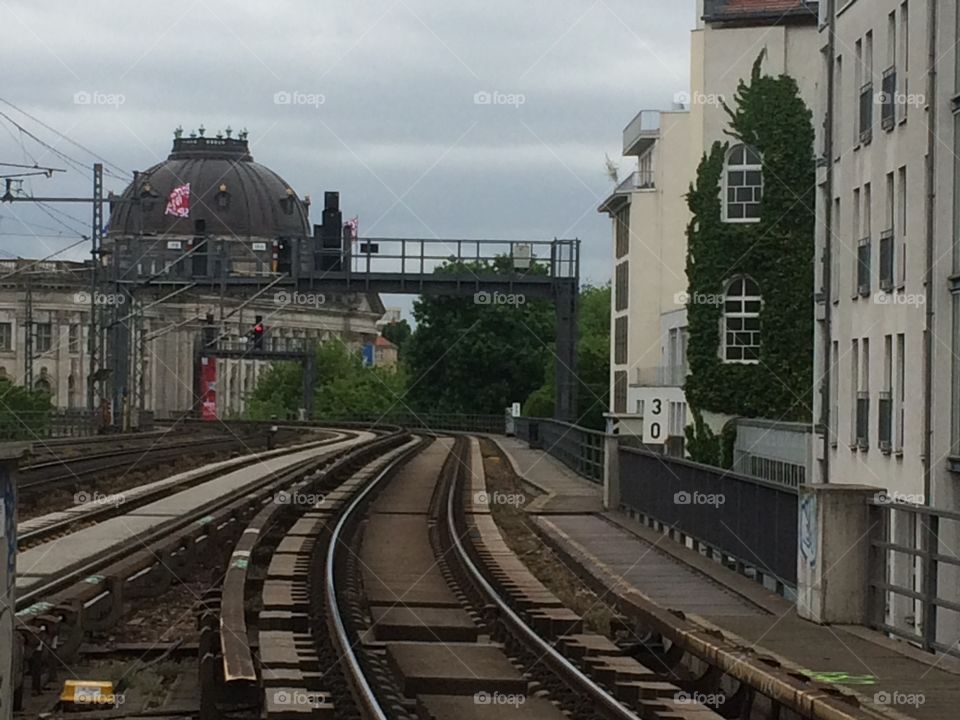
column 743, row 185
column 741, row 321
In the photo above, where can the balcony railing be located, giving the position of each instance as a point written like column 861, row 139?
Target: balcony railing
column 641, row 132
column 637, row 180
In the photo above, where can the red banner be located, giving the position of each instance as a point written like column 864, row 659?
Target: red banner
column 208, row 388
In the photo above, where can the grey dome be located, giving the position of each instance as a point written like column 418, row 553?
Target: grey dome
column 230, row 193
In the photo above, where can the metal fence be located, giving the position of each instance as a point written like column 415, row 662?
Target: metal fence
column 578, row 448
column 454, row 422
column 914, row 573
column 747, row 523
column 47, row 424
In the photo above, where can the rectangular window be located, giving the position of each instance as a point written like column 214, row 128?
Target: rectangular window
column 620, row 340
column 620, row 391
column 6, row 337
column 901, row 224
column 888, row 111
column 854, row 389
column 621, row 221
column 74, row 338
column 43, row 337
column 864, row 249
column 904, row 62
column 898, row 394
column 887, row 249
column 835, row 393
column 839, row 110
column 835, row 251
column 622, row 286
column 863, row 397
column 885, row 405
column 866, row 98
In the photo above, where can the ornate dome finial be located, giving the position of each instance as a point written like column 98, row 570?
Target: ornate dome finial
column 201, row 129
column 178, row 132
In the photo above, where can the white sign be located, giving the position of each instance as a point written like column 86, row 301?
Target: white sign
column 515, row 410
column 259, row 246
column 655, row 421
column 173, row 244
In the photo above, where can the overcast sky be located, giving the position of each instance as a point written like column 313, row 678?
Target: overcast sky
column 383, row 104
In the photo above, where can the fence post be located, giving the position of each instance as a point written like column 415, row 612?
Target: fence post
column 833, row 553
column 611, row 468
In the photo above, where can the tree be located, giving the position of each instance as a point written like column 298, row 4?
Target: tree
column 24, row 413
column 593, row 363
column 477, row 354
column 398, row 333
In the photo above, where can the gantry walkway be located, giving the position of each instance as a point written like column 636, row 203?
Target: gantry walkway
column 668, row 583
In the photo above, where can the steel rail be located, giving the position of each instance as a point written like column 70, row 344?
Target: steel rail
column 609, row 704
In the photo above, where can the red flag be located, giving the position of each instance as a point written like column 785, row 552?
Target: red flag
column 179, row 202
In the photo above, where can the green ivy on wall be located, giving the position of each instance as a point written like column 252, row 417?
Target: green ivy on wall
column 777, row 252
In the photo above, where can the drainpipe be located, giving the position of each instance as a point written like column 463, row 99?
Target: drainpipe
column 827, row 281
column 928, row 281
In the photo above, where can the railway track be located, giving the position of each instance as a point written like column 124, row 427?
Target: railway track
column 71, row 465
column 88, row 595
column 397, row 598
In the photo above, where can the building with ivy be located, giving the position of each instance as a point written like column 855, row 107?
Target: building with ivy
column 653, row 350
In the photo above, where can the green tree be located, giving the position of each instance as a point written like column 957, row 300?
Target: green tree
column 593, row 363
column 468, row 356
column 24, row 413
column 398, row 333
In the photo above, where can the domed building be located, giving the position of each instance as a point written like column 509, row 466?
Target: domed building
column 207, row 214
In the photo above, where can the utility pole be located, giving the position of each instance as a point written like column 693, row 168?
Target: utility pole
column 96, row 239
column 28, row 333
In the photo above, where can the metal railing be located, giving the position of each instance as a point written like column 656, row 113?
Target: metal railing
column 454, row 422
column 578, row 448
column 40, row 425
column 747, row 523
column 919, row 574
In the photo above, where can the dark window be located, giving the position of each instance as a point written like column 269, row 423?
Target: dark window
column 888, row 98
column 886, row 260
column 866, row 113
column 620, row 341
column 622, row 286
column 622, row 224
column 620, row 391
column 863, row 267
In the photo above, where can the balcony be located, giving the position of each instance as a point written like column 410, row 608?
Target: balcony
column 642, row 132
column 663, row 376
column 637, row 180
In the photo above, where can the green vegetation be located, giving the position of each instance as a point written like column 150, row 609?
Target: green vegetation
column 24, row 414
column 593, row 363
column 398, row 333
column 777, row 253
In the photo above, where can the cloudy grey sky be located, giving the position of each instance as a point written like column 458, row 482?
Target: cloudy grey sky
column 398, row 131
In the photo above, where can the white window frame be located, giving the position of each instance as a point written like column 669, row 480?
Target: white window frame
column 743, row 298
column 745, row 168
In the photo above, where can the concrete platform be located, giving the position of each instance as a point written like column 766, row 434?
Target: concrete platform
column 483, row 706
column 427, row 624
column 453, row 669
column 563, row 491
column 632, row 558
column 52, row 558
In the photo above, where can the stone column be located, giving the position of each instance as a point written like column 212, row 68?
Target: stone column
column 836, row 525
